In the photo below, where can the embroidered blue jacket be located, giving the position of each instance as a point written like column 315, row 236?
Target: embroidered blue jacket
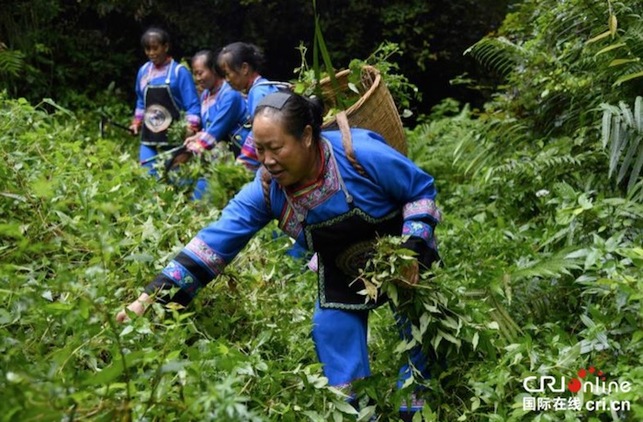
column 181, row 85
column 223, row 115
column 393, row 183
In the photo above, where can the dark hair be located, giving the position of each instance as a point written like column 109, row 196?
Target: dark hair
column 295, row 111
column 209, row 61
column 237, row 53
column 155, row 33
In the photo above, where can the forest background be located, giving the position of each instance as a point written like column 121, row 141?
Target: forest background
column 530, row 118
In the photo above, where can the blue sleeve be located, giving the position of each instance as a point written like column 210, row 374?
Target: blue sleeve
column 140, row 99
column 187, row 96
column 248, row 156
column 225, row 115
column 214, row 247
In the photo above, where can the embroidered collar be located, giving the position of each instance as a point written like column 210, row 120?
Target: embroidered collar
column 303, row 199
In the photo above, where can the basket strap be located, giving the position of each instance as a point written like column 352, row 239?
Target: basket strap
column 347, row 141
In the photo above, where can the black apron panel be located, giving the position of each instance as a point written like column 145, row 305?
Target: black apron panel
column 344, row 245
column 159, row 95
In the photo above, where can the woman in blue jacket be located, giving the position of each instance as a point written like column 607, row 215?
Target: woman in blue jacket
column 242, row 63
column 164, row 89
column 223, row 112
column 334, row 194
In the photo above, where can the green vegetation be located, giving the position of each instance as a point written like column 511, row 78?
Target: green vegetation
column 541, row 193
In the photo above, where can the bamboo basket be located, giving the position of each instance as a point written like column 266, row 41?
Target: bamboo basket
column 375, row 110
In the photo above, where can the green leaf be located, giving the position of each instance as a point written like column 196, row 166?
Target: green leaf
column 638, row 113
column 493, row 325
column 106, row 375
column 628, row 77
column 610, row 48
column 448, row 337
column 345, row 407
column 619, row 62
column 599, row 37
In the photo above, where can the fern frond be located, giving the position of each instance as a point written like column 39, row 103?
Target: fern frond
column 12, row 62
column 476, row 154
column 546, row 267
column 628, row 158
column 540, row 165
column 636, row 169
column 622, row 132
column 618, row 138
column 497, row 54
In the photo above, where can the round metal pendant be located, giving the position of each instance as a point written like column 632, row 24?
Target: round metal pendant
column 157, row 118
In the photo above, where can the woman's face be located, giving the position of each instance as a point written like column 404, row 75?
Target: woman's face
column 156, row 52
column 204, row 76
column 289, row 160
column 238, row 78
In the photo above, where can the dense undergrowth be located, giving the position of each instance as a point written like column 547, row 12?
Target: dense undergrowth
column 541, row 247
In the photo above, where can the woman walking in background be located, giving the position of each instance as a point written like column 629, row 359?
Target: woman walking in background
column 164, row 89
column 223, row 113
column 242, row 63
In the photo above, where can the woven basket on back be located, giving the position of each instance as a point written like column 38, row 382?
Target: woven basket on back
column 375, row 110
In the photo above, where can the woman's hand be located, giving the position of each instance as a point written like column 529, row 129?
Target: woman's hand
column 194, row 145
column 134, row 128
column 409, row 274
column 138, row 307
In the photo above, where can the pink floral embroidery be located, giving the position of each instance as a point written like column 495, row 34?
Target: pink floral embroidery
column 207, row 255
column 422, row 208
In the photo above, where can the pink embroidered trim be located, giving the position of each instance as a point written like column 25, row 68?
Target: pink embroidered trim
column 207, row 255
column 421, row 208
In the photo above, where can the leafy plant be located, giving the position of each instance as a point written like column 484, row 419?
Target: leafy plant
column 622, row 132
column 402, row 90
column 498, row 54
column 626, row 49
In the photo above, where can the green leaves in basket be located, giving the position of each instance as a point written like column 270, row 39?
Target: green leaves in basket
column 319, row 47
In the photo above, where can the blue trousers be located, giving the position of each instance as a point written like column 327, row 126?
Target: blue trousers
column 340, row 338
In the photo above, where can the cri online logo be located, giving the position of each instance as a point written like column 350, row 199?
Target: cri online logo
column 575, row 384
column 541, row 384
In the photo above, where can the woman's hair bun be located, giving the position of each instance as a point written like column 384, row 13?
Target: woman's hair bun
column 317, row 109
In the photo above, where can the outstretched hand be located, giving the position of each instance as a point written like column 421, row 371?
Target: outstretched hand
column 138, row 307
column 133, row 128
column 409, row 274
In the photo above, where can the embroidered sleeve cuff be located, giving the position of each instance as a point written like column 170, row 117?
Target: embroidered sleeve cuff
column 426, row 255
column 183, row 277
column 193, row 121
column 190, row 271
column 160, row 288
column 211, row 262
column 249, row 163
column 421, row 230
column 206, row 140
column 248, row 156
column 422, row 209
column 139, row 113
